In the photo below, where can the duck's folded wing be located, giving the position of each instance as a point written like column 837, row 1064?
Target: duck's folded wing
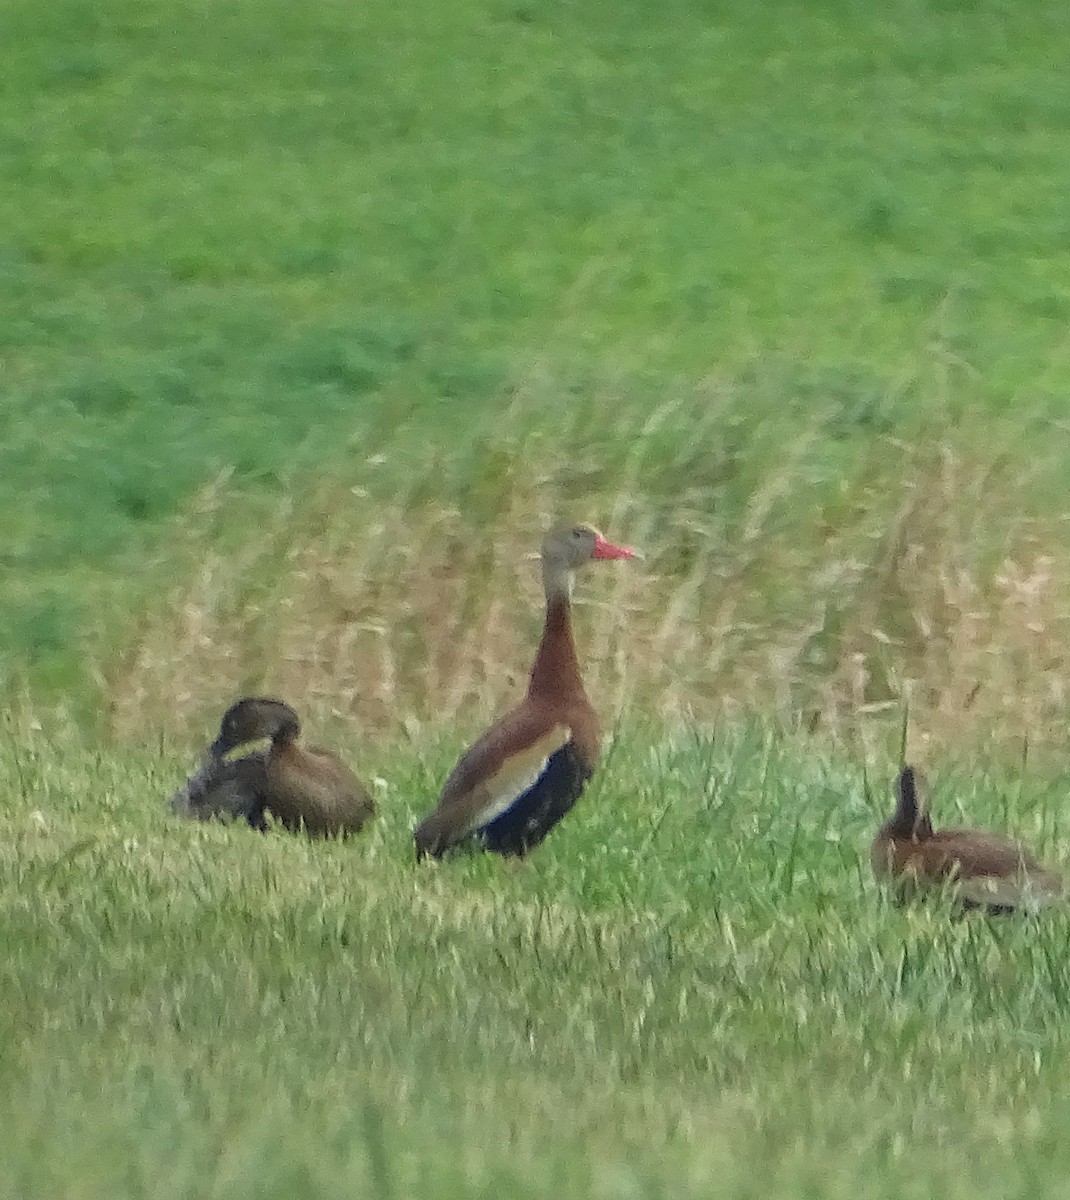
column 489, row 778
column 549, row 800
column 316, row 790
column 965, row 853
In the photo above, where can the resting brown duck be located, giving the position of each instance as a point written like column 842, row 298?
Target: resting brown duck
column 301, row 787
column 982, row 869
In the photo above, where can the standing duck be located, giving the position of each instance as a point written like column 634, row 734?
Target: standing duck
column 528, row 769
column 302, row 788
column 985, row 870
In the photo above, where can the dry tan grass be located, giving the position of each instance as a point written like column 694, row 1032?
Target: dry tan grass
column 913, row 574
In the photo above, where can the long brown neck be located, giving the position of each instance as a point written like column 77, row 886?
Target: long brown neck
column 556, row 672
column 910, row 819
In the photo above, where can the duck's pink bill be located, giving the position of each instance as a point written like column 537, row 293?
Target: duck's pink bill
column 605, row 549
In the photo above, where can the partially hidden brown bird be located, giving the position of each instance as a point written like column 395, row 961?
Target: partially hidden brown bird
column 301, row 787
column 224, row 788
column 981, row 869
column 525, row 773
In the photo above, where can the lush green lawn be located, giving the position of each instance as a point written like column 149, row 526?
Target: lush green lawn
column 691, row 989
column 280, row 240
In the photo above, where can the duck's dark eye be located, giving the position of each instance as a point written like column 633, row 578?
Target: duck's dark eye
column 579, row 532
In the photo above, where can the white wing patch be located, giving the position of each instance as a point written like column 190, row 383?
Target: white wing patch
column 514, row 777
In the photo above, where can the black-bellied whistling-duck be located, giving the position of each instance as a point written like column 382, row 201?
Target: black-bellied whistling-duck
column 983, row 870
column 301, row 787
column 529, row 768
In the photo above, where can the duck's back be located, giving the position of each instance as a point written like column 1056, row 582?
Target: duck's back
column 975, row 852
column 312, row 788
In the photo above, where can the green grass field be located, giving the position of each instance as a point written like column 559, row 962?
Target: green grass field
column 746, row 283
column 693, row 988
column 311, row 317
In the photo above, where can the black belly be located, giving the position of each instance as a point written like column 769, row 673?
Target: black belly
column 535, row 812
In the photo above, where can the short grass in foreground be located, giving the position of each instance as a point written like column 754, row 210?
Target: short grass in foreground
column 691, row 989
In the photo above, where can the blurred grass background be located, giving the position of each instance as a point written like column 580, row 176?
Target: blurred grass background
column 312, row 317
